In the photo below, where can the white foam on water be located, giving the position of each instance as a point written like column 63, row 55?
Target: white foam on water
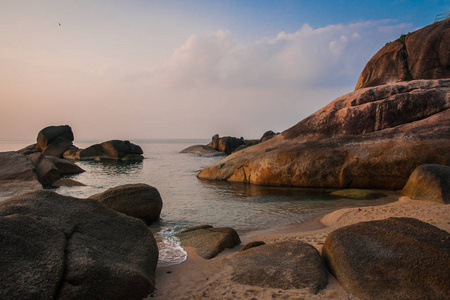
column 170, row 250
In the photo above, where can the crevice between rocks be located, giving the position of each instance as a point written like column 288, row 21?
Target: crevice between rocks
column 68, row 236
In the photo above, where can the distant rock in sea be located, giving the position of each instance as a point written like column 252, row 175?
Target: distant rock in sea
column 226, row 145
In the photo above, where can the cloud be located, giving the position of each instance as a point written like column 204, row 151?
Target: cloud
column 308, row 57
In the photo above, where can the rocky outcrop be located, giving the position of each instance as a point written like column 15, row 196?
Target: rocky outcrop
column 57, row 147
column 50, row 134
column 140, row 201
column 46, row 172
column 281, row 265
column 226, row 144
column 202, row 150
column 58, row 247
column 370, row 138
column 109, row 150
column 64, row 166
column 430, row 183
column 209, row 241
column 17, row 174
column 396, row 258
column 423, row 54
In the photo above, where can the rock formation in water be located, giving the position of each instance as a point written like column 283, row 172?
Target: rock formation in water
column 396, row 258
column 370, row 138
column 423, row 54
column 59, row 247
column 226, row 145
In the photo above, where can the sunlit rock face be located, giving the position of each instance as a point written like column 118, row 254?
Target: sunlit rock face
column 423, row 54
column 370, row 138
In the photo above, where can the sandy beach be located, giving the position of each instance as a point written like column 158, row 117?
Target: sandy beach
column 198, row 278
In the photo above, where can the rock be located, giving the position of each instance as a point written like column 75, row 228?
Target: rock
column 116, row 149
column 396, row 258
column 57, row 147
column 110, row 150
column 209, row 242
column 241, row 147
column 422, row 54
column 281, row 265
column 49, row 134
column 229, row 144
column 214, row 142
column 28, row 150
column 202, row 150
column 67, row 182
column 197, row 228
column 64, row 166
column 72, row 154
column 250, row 245
column 46, row 172
column 358, row 194
column 90, row 153
column 59, row 247
column 429, row 182
column 30, row 266
column 372, row 138
column 16, row 175
column 267, row 136
column 136, row 200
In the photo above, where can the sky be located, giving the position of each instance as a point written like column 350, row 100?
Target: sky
column 151, row 69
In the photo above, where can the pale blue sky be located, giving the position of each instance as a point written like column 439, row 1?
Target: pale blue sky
column 186, row 69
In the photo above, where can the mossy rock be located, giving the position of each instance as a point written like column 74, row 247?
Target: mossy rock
column 358, row 194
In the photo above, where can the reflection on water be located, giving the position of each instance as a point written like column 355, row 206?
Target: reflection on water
column 189, row 202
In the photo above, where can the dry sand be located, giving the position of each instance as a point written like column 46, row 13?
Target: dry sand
column 198, row 278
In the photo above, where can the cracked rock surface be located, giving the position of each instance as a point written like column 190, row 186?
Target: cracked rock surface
column 59, row 247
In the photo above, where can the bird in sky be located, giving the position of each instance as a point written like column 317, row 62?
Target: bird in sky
column 59, row 24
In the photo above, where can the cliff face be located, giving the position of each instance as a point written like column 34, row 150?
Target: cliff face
column 423, row 54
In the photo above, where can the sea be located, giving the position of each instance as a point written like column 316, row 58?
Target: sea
column 189, row 201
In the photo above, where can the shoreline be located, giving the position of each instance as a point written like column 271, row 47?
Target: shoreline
column 197, row 278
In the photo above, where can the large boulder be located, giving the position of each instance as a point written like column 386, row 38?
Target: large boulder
column 281, row 265
column 58, row 247
column 17, row 174
column 202, row 150
column 396, row 258
column 370, row 138
column 139, row 200
column 423, row 54
column 109, row 150
column 209, row 241
column 46, row 172
column 49, row 134
column 429, row 182
column 116, row 149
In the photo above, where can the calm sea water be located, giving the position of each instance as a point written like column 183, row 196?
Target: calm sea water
column 188, row 201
